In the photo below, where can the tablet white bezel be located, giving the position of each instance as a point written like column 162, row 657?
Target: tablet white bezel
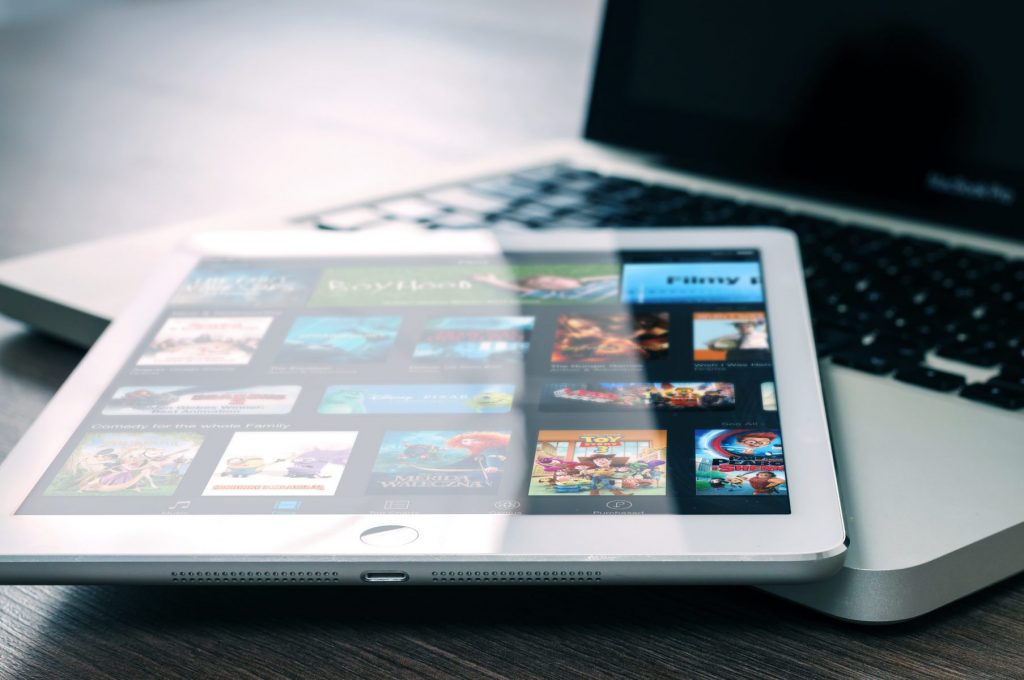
column 813, row 529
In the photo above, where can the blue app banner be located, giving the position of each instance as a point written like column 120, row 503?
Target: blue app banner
column 353, row 399
column 697, row 282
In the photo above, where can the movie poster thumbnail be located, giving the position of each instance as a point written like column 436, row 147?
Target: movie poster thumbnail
column 408, row 399
column 135, row 464
column 338, row 340
column 467, row 285
column 692, row 282
column 206, row 341
column 165, row 400
column 440, row 463
column 474, row 340
column 245, row 285
column 610, row 339
column 740, row 463
column 282, row 464
column 661, row 396
column 768, row 399
column 599, row 463
column 730, row 336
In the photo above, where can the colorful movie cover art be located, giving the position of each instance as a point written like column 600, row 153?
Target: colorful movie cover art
column 619, row 338
column 481, row 340
column 164, row 400
column 282, row 464
column 692, row 282
column 242, row 285
column 348, row 399
column 663, row 396
column 740, row 462
column 599, row 463
column 449, row 462
column 467, row 285
column 730, row 336
column 206, row 341
column 338, row 340
column 133, row 464
column 768, row 400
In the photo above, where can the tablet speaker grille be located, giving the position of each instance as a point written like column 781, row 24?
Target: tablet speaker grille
column 515, row 576
column 468, row 576
column 282, row 576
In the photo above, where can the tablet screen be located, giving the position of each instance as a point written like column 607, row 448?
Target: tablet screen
column 631, row 382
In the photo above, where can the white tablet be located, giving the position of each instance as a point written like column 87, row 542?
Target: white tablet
column 634, row 406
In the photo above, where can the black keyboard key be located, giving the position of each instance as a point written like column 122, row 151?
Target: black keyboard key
column 828, row 340
column 462, row 198
column 533, row 215
column 982, row 352
column 545, row 174
column 995, row 394
column 1015, row 369
column 898, row 352
column 931, row 378
column 562, row 200
column 508, row 186
column 865, row 359
column 458, row 221
column 572, row 221
column 758, row 215
column 1009, row 379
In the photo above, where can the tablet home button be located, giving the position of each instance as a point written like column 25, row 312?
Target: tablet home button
column 389, row 536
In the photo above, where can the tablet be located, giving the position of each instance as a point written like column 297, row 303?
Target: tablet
column 615, row 406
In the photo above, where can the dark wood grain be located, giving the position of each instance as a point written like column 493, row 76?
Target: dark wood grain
column 127, row 116
column 284, row 632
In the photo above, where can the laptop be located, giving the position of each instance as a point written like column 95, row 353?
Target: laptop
column 886, row 136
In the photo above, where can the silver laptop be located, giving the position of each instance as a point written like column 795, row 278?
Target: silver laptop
column 888, row 139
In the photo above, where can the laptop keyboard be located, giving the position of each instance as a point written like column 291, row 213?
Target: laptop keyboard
column 880, row 302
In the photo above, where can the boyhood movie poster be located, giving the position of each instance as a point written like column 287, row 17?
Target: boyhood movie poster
column 440, row 462
column 468, row 285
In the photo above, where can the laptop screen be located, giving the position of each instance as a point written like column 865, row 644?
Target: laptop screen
column 911, row 106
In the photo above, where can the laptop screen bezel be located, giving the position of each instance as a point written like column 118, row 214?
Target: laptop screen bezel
column 747, row 151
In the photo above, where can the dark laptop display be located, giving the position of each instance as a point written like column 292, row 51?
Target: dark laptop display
column 912, row 106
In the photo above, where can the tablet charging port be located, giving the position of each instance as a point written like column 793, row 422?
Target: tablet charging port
column 385, row 576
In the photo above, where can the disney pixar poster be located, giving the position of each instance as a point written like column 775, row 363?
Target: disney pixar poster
column 126, row 464
column 599, row 463
column 282, row 464
column 440, row 462
column 740, row 462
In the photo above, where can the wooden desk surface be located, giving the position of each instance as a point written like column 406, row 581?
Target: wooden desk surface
column 123, row 116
